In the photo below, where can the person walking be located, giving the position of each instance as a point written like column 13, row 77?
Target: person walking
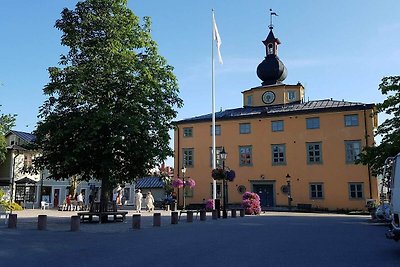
column 138, row 200
column 150, row 202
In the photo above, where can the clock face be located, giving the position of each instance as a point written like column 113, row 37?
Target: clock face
column 268, row 97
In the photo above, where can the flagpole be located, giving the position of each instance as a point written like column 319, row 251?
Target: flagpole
column 214, row 162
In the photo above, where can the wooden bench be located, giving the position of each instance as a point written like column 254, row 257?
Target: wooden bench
column 111, row 210
column 302, row 206
column 194, row 207
column 88, row 216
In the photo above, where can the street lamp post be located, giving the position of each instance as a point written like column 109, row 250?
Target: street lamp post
column 183, row 188
column 223, row 156
column 12, row 198
column 289, row 191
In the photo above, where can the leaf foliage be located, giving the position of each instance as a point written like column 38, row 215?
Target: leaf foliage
column 111, row 101
column 389, row 129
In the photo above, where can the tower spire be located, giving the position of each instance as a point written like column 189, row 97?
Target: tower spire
column 271, row 26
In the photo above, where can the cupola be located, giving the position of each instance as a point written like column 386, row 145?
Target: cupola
column 271, row 70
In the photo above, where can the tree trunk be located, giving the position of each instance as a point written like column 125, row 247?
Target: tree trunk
column 73, row 185
column 105, row 198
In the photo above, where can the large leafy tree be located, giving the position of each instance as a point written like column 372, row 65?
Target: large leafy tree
column 111, row 102
column 7, row 121
column 389, row 130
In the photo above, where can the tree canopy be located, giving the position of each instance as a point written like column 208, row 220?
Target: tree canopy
column 389, row 130
column 111, row 101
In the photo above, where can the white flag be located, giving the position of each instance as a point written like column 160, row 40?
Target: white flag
column 217, row 39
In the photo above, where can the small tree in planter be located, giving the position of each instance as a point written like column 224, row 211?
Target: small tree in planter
column 251, row 203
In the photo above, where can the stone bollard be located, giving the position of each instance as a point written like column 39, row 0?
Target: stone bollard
column 42, row 222
column 75, row 223
column 157, row 219
column 136, row 221
column 174, row 217
column 233, row 213
column 241, row 212
column 189, row 217
column 12, row 221
column 214, row 214
column 203, row 215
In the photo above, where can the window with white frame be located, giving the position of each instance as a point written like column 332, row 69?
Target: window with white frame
column 217, row 130
column 277, row 126
column 314, row 153
column 189, row 192
column 188, row 159
column 278, row 154
column 356, row 190
column 352, row 150
column 244, row 128
column 312, row 123
column 27, row 161
column 188, row 132
column 245, row 156
column 351, row 120
column 316, row 190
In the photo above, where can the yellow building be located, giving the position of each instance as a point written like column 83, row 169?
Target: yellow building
column 282, row 147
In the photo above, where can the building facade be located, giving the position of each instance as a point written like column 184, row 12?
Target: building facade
column 29, row 190
column 287, row 150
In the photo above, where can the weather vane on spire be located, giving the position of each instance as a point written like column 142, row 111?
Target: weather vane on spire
column 271, row 26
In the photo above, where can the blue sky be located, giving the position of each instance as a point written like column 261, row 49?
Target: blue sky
column 338, row 49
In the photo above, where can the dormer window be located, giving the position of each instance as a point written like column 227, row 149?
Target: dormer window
column 270, row 49
column 249, row 100
column 291, row 95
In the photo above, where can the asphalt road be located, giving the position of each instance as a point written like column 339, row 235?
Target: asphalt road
column 272, row 239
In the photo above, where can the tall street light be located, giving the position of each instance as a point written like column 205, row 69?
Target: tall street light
column 17, row 152
column 183, row 188
column 223, row 156
column 289, row 191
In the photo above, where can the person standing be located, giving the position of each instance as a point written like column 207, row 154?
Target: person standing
column 138, row 200
column 79, row 199
column 68, row 201
column 150, row 202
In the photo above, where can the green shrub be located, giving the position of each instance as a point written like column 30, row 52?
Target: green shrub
column 8, row 205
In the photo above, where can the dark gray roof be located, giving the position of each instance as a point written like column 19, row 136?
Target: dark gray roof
column 25, row 180
column 27, row 137
column 297, row 108
column 149, row 182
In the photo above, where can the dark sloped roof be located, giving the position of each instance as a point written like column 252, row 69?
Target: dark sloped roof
column 25, row 180
column 280, row 110
column 27, row 137
column 150, row 182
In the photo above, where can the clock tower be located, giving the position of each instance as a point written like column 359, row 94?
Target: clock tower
column 272, row 72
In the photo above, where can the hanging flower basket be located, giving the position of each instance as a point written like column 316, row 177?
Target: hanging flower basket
column 190, row 182
column 218, row 174
column 177, row 183
column 230, row 175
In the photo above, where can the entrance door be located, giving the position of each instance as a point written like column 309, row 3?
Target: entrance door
column 56, row 197
column 266, row 193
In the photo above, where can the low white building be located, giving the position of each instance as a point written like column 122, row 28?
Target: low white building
column 30, row 189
